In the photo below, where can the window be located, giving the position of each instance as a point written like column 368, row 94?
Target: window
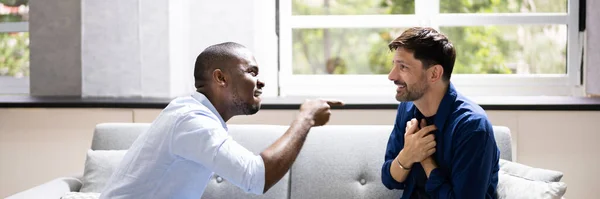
column 14, row 47
column 504, row 47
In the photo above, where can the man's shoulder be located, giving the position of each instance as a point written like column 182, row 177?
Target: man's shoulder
column 405, row 110
column 405, row 107
column 187, row 108
column 469, row 115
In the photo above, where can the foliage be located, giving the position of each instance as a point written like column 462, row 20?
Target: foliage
column 14, row 54
column 523, row 49
column 14, row 47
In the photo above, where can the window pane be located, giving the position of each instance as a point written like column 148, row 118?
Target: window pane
column 14, row 10
column 515, row 49
column 14, row 54
column 503, row 6
column 352, row 7
column 342, row 51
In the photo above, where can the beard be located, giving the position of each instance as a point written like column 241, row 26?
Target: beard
column 242, row 107
column 414, row 91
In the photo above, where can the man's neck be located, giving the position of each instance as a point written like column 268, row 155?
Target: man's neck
column 430, row 102
column 220, row 106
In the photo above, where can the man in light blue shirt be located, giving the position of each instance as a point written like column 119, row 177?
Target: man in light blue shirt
column 188, row 141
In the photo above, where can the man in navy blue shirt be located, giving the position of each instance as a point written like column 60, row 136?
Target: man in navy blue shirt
column 442, row 144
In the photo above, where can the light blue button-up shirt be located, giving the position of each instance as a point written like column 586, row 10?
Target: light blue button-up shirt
column 177, row 156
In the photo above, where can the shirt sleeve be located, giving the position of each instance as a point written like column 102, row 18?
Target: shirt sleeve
column 203, row 140
column 394, row 145
column 472, row 166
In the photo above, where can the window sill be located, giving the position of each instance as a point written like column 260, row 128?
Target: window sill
column 528, row 103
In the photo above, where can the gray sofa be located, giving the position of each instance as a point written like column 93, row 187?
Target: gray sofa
column 337, row 161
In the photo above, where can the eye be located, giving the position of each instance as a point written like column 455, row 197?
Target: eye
column 253, row 71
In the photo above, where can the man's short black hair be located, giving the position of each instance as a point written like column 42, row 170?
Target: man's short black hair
column 428, row 46
column 214, row 57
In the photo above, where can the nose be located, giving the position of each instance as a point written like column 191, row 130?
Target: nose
column 260, row 84
column 392, row 76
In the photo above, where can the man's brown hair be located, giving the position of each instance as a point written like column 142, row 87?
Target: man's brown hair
column 428, row 46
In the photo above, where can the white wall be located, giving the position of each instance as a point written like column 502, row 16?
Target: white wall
column 141, row 48
column 592, row 50
column 37, row 145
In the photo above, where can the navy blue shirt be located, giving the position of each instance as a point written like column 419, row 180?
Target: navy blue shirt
column 466, row 152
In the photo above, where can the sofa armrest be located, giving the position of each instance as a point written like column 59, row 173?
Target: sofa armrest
column 53, row 189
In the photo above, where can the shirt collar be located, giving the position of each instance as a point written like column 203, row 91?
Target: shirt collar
column 204, row 101
column 444, row 109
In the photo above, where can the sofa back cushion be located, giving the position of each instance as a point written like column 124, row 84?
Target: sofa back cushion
column 117, row 136
column 342, row 162
column 337, row 161
column 503, row 141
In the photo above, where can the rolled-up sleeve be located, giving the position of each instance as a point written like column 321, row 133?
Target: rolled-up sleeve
column 203, row 140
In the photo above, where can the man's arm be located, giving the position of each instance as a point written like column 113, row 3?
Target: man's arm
column 389, row 167
column 474, row 156
column 201, row 139
column 407, row 144
column 279, row 157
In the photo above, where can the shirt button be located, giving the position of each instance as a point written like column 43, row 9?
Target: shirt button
column 219, row 179
column 363, row 181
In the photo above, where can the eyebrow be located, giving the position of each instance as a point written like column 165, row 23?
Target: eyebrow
column 400, row 62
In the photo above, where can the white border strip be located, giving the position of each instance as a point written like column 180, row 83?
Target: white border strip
column 389, row 21
column 498, row 19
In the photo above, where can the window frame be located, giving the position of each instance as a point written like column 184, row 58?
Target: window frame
column 427, row 14
column 12, row 85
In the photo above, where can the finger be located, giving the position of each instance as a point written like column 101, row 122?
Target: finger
column 430, row 151
column 429, row 138
column 431, row 144
column 423, row 123
column 333, row 102
column 409, row 123
column 425, row 130
column 412, row 128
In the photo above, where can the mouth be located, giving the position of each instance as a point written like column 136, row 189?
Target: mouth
column 257, row 93
column 400, row 85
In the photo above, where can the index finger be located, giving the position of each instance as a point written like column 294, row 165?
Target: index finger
column 332, row 102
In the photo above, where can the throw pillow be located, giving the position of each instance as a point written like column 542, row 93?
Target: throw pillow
column 99, row 166
column 515, row 187
column 80, row 195
column 528, row 172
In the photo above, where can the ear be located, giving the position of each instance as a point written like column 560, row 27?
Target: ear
column 435, row 73
column 218, row 76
